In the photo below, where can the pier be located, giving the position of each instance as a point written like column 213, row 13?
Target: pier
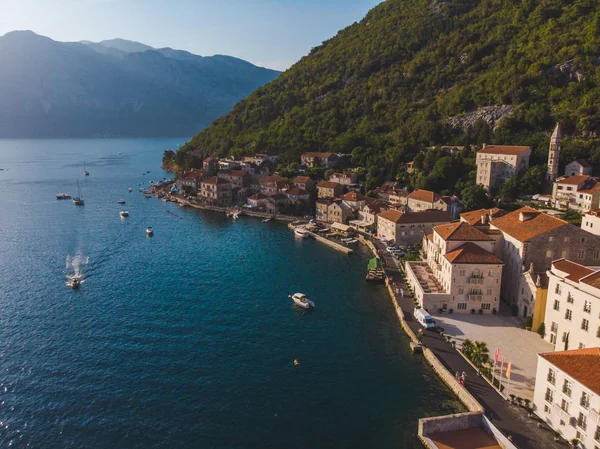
column 319, row 238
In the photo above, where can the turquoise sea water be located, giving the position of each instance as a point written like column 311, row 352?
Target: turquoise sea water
column 186, row 339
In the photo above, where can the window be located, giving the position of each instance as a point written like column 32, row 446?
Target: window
column 581, row 346
column 489, row 291
column 598, row 332
column 461, row 291
column 486, row 306
column 549, row 395
column 550, row 239
column 587, row 306
column 566, row 239
column 554, row 327
column 564, row 405
column 570, row 298
column 556, row 304
column 585, row 324
column 582, row 239
column 597, row 434
column 553, row 339
column 582, row 421
column 551, row 376
column 461, row 306
column 585, row 400
column 549, row 254
column 596, row 254
column 568, row 315
column 462, row 272
column 581, row 254
column 567, row 385
column 564, row 336
column 546, row 408
column 563, row 254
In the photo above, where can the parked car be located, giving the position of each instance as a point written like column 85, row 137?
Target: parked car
column 424, row 319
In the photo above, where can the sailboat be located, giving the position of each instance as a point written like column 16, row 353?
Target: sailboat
column 78, row 200
column 85, row 172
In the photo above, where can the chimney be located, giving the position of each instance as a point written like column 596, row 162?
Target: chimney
column 531, row 268
column 484, row 219
column 538, row 281
column 484, row 145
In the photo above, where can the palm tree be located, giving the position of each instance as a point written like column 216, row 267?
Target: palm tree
column 467, row 348
column 480, row 353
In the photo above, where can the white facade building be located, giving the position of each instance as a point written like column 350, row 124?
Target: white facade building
column 591, row 222
column 573, row 306
column 567, row 394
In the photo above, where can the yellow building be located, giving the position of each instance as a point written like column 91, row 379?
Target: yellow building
column 533, row 296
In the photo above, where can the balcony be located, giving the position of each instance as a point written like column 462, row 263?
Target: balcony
column 561, row 413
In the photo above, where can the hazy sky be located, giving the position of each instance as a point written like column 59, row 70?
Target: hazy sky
column 270, row 33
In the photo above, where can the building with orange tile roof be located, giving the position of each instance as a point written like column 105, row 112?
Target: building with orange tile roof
column 316, row 159
column 327, row 189
column 461, row 271
column 497, row 163
column 408, row 228
column 216, row 191
column 481, row 217
column 579, row 192
column 573, row 306
column 531, row 237
column 567, row 394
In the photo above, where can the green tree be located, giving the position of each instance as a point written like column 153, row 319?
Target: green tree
column 510, row 188
column 474, row 197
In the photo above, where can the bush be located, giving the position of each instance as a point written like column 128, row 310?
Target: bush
column 529, row 322
column 542, row 330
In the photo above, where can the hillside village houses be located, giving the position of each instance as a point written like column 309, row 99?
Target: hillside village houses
column 579, row 192
column 327, row 189
column 408, row 228
column 216, row 191
column 461, row 272
column 567, row 394
column 421, row 200
column 497, row 163
column 304, row 182
column 591, row 222
column 347, row 179
column 325, row 160
column 578, row 167
column 573, row 306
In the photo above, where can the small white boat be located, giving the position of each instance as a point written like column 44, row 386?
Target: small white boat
column 124, row 214
column 266, row 220
column 349, row 240
column 149, row 232
column 301, row 232
column 301, row 300
column 74, row 282
column 130, row 189
column 121, row 201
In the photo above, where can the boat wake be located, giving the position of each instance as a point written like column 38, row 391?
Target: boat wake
column 76, row 268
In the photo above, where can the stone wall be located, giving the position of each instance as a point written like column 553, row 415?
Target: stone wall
column 448, row 423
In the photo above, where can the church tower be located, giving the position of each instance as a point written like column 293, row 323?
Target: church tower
column 553, row 154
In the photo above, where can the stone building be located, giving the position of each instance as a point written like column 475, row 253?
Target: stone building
column 573, row 306
column 408, row 228
column 211, row 165
column 304, row 182
column 591, row 222
column 567, row 394
column 579, row 192
column 346, row 179
column 579, row 167
column 216, row 192
column 497, row 163
column 327, row 189
column 325, row 160
column 529, row 236
column 460, row 273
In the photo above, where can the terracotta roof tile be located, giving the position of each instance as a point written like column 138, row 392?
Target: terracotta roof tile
column 573, row 180
column 471, row 253
column 328, row 185
column 423, row 195
column 536, row 223
column 593, row 280
column 316, row 155
column 353, row 196
column 215, row 180
column 503, row 149
column 391, row 215
column 272, row 178
column 302, row 179
column 574, row 271
column 474, row 216
column 461, row 231
column 584, row 163
column 296, row 191
column 583, row 365
column 430, row 216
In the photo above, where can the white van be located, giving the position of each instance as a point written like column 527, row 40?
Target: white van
column 424, row 319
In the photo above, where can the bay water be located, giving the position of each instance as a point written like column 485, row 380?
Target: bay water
column 186, row 339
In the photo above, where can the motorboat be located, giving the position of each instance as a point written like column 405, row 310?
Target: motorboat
column 85, row 172
column 301, row 232
column 301, row 300
column 266, row 220
column 121, row 201
column 130, row 189
column 74, row 282
column 63, row 196
column 149, row 232
column 349, row 241
column 124, row 214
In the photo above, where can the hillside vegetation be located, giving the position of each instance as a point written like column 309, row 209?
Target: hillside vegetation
column 383, row 88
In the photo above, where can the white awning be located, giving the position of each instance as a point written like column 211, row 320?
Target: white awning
column 340, row 227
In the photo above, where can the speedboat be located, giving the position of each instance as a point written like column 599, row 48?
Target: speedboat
column 63, row 196
column 121, row 201
column 301, row 300
column 149, row 232
column 266, row 220
column 301, row 232
column 124, row 214
column 74, row 283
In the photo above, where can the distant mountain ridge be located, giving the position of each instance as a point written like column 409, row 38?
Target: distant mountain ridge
column 115, row 88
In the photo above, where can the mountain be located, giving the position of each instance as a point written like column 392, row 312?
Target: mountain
column 114, row 88
column 415, row 73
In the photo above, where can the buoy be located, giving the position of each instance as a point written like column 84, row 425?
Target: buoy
column 296, row 362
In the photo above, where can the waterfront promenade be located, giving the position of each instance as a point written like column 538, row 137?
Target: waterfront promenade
column 511, row 420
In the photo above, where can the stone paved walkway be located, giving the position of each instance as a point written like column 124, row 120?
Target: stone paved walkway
column 516, row 345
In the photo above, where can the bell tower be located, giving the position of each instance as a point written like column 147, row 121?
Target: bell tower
column 553, row 154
